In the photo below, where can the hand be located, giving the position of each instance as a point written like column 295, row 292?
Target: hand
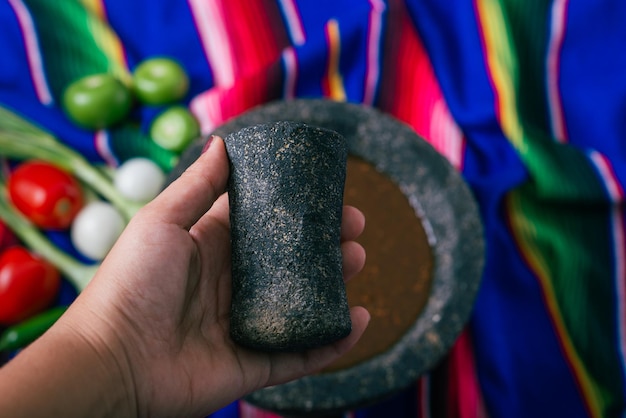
column 157, row 312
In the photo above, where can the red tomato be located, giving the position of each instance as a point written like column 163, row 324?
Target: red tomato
column 45, row 194
column 28, row 284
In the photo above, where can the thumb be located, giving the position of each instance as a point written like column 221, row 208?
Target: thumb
column 191, row 195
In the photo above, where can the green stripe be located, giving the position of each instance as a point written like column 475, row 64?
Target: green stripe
column 572, row 240
column 526, row 22
column 566, row 202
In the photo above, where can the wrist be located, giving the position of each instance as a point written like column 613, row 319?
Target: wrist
column 70, row 371
column 108, row 375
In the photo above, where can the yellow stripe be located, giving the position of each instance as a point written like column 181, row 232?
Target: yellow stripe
column 500, row 63
column 107, row 39
column 95, row 7
column 335, row 81
column 503, row 70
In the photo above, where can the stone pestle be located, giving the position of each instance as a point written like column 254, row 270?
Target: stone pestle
column 286, row 198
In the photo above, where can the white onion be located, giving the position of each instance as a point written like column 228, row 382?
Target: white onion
column 95, row 229
column 139, row 179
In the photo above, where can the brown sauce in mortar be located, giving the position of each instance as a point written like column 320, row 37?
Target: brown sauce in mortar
column 395, row 282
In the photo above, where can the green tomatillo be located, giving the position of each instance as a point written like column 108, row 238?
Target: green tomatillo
column 159, row 81
column 175, row 128
column 97, row 101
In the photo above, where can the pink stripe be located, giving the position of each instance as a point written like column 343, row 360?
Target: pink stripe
column 249, row 411
column 209, row 18
column 290, row 63
column 294, row 22
column 616, row 193
column 103, row 147
column 464, row 392
column 206, row 108
column 373, row 51
column 557, row 33
column 33, row 52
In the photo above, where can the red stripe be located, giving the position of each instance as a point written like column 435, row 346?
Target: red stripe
column 254, row 36
column 410, row 90
column 256, row 33
column 396, row 78
column 464, row 395
column 326, row 83
column 423, row 397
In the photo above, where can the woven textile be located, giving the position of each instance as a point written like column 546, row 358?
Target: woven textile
column 526, row 98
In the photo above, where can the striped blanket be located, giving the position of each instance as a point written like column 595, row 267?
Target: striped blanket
column 526, row 98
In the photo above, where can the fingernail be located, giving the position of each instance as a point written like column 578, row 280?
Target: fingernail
column 208, row 144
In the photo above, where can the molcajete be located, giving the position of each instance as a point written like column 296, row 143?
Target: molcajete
column 441, row 283
column 285, row 193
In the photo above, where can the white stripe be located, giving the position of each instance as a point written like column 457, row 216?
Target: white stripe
column 197, row 107
column 454, row 142
column 291, row 73
column 619, row 244
column 103, row 147
column 373, row 51
column 606, row 174
column 215, row 41
column 557, row 32
column 33, row 52
column 446, row 135
column 214, row 112
column 294, row 24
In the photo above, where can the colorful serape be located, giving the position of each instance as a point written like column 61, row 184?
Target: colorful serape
column 527, row 98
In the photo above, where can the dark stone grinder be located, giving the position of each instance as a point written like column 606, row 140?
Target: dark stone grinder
column 286, row 197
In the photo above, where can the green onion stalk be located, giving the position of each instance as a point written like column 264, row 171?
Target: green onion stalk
column 21, row 140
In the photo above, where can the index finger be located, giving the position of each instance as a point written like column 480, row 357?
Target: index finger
column 191, row 195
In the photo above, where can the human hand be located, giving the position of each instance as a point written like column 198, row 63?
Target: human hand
column 158, row 308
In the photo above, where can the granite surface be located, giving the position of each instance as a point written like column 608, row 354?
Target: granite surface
column 446, row 206
column 286, row 196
